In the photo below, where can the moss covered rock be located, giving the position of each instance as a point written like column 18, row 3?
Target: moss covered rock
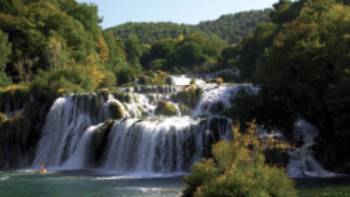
column 218, row 81
column 189, row 96
column 116, row 110
column 166, row 108
column 3, row 118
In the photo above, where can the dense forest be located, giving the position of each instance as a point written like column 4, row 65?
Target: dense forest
column 298, row 53
column 232, row 28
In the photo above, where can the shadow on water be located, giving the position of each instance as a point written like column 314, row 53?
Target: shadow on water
column 315, row 183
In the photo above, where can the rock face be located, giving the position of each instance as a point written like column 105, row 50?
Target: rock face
column 20, row 126
column 98, row 143
column 116, row 110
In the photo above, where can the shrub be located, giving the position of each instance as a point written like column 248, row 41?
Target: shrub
column 75, row 78
column 238, row 168
column 154, row 78
column 127, row 74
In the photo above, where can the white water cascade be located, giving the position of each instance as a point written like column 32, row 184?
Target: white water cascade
column 219, row 97
column 139, row 142
column 302, row 162
column 68, row 119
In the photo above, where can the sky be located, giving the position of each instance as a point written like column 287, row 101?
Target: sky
column 115, row 12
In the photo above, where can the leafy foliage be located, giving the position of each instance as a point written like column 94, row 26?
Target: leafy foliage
column 238, row 169
column 234, row 27
column 231, row 28
column 150, row 33
column 5, row 52
column 301, row 61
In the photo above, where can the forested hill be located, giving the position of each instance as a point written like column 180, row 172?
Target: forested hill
column 152, row 32
column 234, row 27
column 231, row 28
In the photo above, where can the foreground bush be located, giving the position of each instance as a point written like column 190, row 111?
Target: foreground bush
column 238, row 169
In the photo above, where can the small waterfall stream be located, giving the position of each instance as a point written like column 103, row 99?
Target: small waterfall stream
column 302, row 162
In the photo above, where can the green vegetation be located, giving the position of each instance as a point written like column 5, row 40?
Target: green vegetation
column 298, row 54
column 233, row 28
column 238, row 169
column 332, row 191
column 301, row 61
column 150, row 33
column 57, row 47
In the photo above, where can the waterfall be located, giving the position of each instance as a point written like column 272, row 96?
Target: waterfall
column 302, row 162
column 160, row 146
column 66, row 122
column 216, row 98
column 138, row 141
column 79, row 157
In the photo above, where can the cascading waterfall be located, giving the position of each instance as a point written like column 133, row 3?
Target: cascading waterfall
column 139, row 142
column 218, row 97
column 302, row 162
column 68, row 118
column 79, row 157
column 76, row 134
column 160, row 146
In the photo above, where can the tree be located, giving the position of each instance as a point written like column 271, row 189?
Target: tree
column 133, row 50
column 5, row 52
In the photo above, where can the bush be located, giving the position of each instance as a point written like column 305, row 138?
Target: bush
column 238, row 168
column 127, row 74
column 75, row 78
column 4, row 79
column 154, row 78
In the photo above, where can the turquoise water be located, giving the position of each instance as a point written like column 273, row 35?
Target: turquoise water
column 85, row 184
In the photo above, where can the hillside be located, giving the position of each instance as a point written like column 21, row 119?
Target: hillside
column 234, row 27
column 152, row 32
column 231, row 28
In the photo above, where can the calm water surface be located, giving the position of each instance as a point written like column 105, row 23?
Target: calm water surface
column 85, row 184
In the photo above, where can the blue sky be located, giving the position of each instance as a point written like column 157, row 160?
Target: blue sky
column 116, row 12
